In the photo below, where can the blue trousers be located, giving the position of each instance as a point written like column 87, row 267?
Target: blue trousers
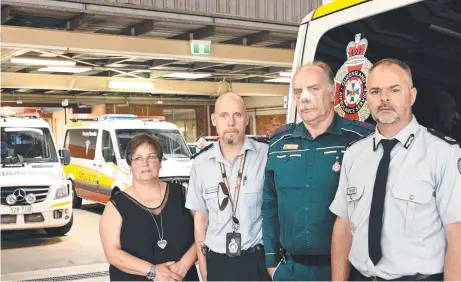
column 291, row 271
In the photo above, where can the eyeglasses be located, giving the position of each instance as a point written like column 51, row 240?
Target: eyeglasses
column 225, row 202
column 225, row 191
column 140, row 160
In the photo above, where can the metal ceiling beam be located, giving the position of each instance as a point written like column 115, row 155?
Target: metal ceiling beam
column 251, row 39
column 161, row 86
column 50, row 100
column 77, row 22
column 161, row 63
column 110, row 8
column 285, row 45
column 200, row 33
column 155, row 48
column 6, row 10
column 139, row 28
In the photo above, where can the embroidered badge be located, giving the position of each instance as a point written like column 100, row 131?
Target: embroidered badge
column 459, row 165
column 351, row 191
column 409, row 141
column 290, row 146
column 351, row 82
column 336, row 167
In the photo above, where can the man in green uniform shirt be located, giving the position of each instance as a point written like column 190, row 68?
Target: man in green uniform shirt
column 301, row 179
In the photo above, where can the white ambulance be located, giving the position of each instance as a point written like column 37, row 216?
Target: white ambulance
column 34, row 191
column 97, row 147
column 352, row 35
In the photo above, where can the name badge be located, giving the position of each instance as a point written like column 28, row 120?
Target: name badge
column 290, row 146
column 351, row 191
column 233, row 244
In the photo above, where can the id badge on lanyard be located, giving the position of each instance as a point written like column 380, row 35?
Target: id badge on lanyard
column 234, row 239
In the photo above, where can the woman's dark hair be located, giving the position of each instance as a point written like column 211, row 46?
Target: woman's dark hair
column 140, row 139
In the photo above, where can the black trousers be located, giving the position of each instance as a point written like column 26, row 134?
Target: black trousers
column 250, row 267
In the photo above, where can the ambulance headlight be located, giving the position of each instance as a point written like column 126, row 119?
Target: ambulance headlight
column 62, row 192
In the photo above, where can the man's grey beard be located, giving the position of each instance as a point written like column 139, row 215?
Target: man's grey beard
column 232, row 142
column 391, row 120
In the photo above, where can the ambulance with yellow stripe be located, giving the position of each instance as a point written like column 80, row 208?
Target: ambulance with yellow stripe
column 352, row 35
column 97, row 147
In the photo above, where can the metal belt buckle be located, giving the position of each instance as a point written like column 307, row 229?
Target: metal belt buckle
column 421, row 276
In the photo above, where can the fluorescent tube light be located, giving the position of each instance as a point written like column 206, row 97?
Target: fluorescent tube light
column 186, row 75
column 42, row 62
column 66, row 69
column 280, row 80
column 139, row 85
column 285, row 73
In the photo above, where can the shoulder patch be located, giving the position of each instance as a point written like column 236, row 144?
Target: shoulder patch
column 447, row 139
column 357, row 140
column 206, row 148
column 282, row 129
column 261, row 139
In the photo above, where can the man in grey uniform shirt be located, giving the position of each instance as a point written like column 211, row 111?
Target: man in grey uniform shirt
column 406, row 223
column 225, row 191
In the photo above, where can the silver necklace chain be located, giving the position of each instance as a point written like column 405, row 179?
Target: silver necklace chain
column 161, row 242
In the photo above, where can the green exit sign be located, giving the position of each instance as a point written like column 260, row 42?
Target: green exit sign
column 200, row 47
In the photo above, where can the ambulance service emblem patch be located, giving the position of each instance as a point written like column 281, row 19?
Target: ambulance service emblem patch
column 351, row 83
column 336, row 167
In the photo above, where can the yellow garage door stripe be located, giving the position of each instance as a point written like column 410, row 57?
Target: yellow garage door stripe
column 335, row 6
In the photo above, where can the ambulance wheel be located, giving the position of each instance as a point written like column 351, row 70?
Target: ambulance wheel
column 60, row 231
column 76, row 200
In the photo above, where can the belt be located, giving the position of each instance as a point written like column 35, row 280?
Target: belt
column 248, row 251
column 312, row 260
column 357, row 276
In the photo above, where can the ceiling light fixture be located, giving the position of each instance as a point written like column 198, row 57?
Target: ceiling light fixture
column 279, row 80
column 187, row 75
column 66, row 69
column 138, row 85
column 285, row 73
column 42, row 62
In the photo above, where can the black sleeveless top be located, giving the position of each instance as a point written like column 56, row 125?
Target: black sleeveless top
column 139, row 235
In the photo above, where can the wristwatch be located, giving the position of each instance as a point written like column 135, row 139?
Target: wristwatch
column 204, row 250
column 151, row 273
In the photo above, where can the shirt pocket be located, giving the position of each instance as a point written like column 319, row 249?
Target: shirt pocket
column 414, row 202
column 210, row 194
column 289, row 168
column 353, row 196
column 329, row 164
column 252, row 199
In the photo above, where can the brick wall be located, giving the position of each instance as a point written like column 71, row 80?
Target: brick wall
column 267, row 124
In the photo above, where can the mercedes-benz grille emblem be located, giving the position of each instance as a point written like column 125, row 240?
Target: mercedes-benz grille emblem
column 20, row 194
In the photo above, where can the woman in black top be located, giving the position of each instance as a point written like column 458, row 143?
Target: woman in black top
column 146, row 232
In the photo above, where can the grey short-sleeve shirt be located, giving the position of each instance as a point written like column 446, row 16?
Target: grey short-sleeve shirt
column 423, row 192
column 204, row 193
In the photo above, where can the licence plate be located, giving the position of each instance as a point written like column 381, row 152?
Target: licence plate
column 21, row 210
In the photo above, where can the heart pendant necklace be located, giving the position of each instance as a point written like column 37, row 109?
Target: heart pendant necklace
column 162, row 242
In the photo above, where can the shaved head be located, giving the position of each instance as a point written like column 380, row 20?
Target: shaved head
column 223, row 99
column 230, row 118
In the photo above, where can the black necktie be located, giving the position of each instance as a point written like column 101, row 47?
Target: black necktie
column 375, row 224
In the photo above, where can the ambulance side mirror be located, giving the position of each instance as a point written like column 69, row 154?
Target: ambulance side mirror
column 64, row 155
column 109, row 155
